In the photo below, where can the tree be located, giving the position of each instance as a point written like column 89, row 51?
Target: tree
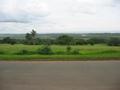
column 76, row 51
column 46, row 50
column 91, row 42
column 13, row 41
column 64, row 40
column 97, row 40
column 28, row 38
column 114, row 41
column 8, row 40
column 31, row 37
column 80, row 42
column 68, row 49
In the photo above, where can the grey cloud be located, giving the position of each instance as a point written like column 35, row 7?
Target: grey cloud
column 14, row 21
column 60, row 15
column 20, row 14
column 26, row 18
column 116, row 1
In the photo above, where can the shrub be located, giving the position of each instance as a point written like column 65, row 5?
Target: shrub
column 23, row 52
column 114, row 41
column 64, row 40
column 1, row 52
column 76, row 51
column 68, row 49
column 60, row 52
column 80, row 42
column 46, row 50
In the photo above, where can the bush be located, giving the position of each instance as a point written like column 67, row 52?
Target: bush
column 23, row 52
column 80, row 42
column 64, row 40
column 60, row 52
column 68, row 49
column 8, row 40
column 1, row 53
column 114, row 41
column 76, row 51
column 46, row 50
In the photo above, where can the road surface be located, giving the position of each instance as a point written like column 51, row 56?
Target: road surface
column 88, row 75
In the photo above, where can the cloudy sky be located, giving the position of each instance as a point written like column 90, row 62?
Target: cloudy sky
column 59, row 16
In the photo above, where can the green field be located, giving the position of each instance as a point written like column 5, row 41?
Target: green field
column 86, row 52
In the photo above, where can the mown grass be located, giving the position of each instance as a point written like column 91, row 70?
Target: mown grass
column 87, row 52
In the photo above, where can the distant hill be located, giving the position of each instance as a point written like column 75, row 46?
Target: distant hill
column 53, row 36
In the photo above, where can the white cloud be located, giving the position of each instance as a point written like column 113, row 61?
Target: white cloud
column 60, row 15
column 17, row 11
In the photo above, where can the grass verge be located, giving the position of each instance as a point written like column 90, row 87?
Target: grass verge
column 28, row 52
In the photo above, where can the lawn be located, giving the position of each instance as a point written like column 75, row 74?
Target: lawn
column 86, row 52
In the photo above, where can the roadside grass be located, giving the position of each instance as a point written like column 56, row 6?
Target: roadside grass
column 59, row 57
column 86, row 52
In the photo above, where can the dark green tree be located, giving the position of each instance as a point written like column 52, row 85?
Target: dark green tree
column 80, row 42
column 64, row 40
column 114, row 41
column 46, row 50
column 97, row 40
column 8, row 40
column 31, row 37
column 68, row 49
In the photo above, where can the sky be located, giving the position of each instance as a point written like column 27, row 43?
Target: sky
column 60, row 16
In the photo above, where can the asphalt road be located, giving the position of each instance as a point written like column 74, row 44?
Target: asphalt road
column 89, row 75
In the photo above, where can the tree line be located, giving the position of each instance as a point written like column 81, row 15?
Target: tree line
column 32, row 39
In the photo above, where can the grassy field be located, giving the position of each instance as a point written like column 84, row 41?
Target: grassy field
column 87, row 52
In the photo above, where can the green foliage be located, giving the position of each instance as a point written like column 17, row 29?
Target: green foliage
column 46, row 50
column 28, row 38
column 1, row 53
column 23, row 52
column 60, row 53
column 114, row 41
column 91, row 42
column 31, row 38
column 76, row 52
column 97, row 40
column 68, row 49
column 8, row 40
column 64, row 40
column 47, row 41
column 107, row 51
column 80, row 42
column 80, row 52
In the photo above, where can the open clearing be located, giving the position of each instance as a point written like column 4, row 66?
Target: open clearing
column 72, row 75
column 86, row 52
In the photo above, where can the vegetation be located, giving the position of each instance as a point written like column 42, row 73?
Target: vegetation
column 33, row 38
column 77, row 52
column 114, row 42
column 30, row 38
column 68, row 49
column 64, row 40
column 46, row 50
column 61, row 47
